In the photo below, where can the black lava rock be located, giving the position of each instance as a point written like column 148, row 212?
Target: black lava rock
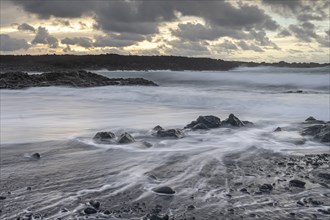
column 324, row 176
column 36, row 156
column 126, row 138
column 103, row 136
column 3, row 197
column 310, row 118
column 158, row 128
column 81, row 78
column 200, row 126
column 90, row 211
column 278, row 129
column 208, row 121
column 164, row 190
column 191, row 207
column 95, row 204
column 171, row 133
column 233, row 121
column 297, row 183
column 266, row 187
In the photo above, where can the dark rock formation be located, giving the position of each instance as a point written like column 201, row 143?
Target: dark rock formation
column 278, row 129
column 233, row 121
column 36, row 156
column 266, row 188
column 90, row 211
column 19, row 80
column 126, row 138
column 205, row 122
column 200, row 126
column 297, row 183
column 157, row 128
column 319, row 132
column 310, row 118
column 103, row 136
column 3, row 197
column 324, row 176
column 95, row 204
column 171, row 133
column 164, row 190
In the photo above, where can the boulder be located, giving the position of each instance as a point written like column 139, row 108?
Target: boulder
column 89, row 211
column 233, row 121
column 36, row 156
column 95, row 204
column 200, row 126
column 103, row 136
column 164, row 190
column 278, row 129
column 310, row 118
column 319, row 132
column 171, row 133
column 297, row 183
column 266, row 187
column 158, row 128
column 126, row 138
column 207, row 122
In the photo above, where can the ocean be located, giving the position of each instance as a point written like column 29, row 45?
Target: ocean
column 60, row 122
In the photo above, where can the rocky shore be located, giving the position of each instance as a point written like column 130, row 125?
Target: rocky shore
column 252, row 184
column 81, row 78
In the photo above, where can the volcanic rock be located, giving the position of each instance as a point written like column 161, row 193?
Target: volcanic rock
column 172, row 133
column 233, row 121
column 208, row 121
column 164, row 190
column 126, row 138
column 297, row 183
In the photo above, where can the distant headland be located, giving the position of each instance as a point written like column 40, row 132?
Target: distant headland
column 128, row 62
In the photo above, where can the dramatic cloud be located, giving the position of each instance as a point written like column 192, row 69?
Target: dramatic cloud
column 303, row 10
column 80, row 41
column 304, row 32
column 228, row 45
column 11, row 44
column 284, row 33
column 244, row 46
column 196, row 32
column 43, row 37
column 117, row 40
column 25, row 27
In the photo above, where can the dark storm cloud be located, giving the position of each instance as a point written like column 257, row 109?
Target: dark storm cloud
column 144, row 17
column 43, row 37
column 228, row 45
column 196, row 32
column 25, row 27
column 245, row 46
column 117, row 40
column 304, row 32
column 303, row 10
column 182, row 48
column 284, row 33
column 80, row 41
column 8, row 43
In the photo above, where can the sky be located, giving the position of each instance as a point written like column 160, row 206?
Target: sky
column 243, row 30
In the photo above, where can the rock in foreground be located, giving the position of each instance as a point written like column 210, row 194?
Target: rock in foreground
column 103, row 136
column 164, row 190
column 204, row 122
column 20, row 80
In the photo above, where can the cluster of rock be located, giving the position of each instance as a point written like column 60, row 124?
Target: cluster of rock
column 201, row 123
column 319, row 130
column 81, row 78
column 107, row 137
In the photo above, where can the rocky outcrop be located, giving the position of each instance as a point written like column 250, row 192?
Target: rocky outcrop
column 19, row 80
column 320, row 132
column 103, row 137
column 170, row 133
column 204, row 122
column 232, row 120
column 126, row 138
column 164, row 190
